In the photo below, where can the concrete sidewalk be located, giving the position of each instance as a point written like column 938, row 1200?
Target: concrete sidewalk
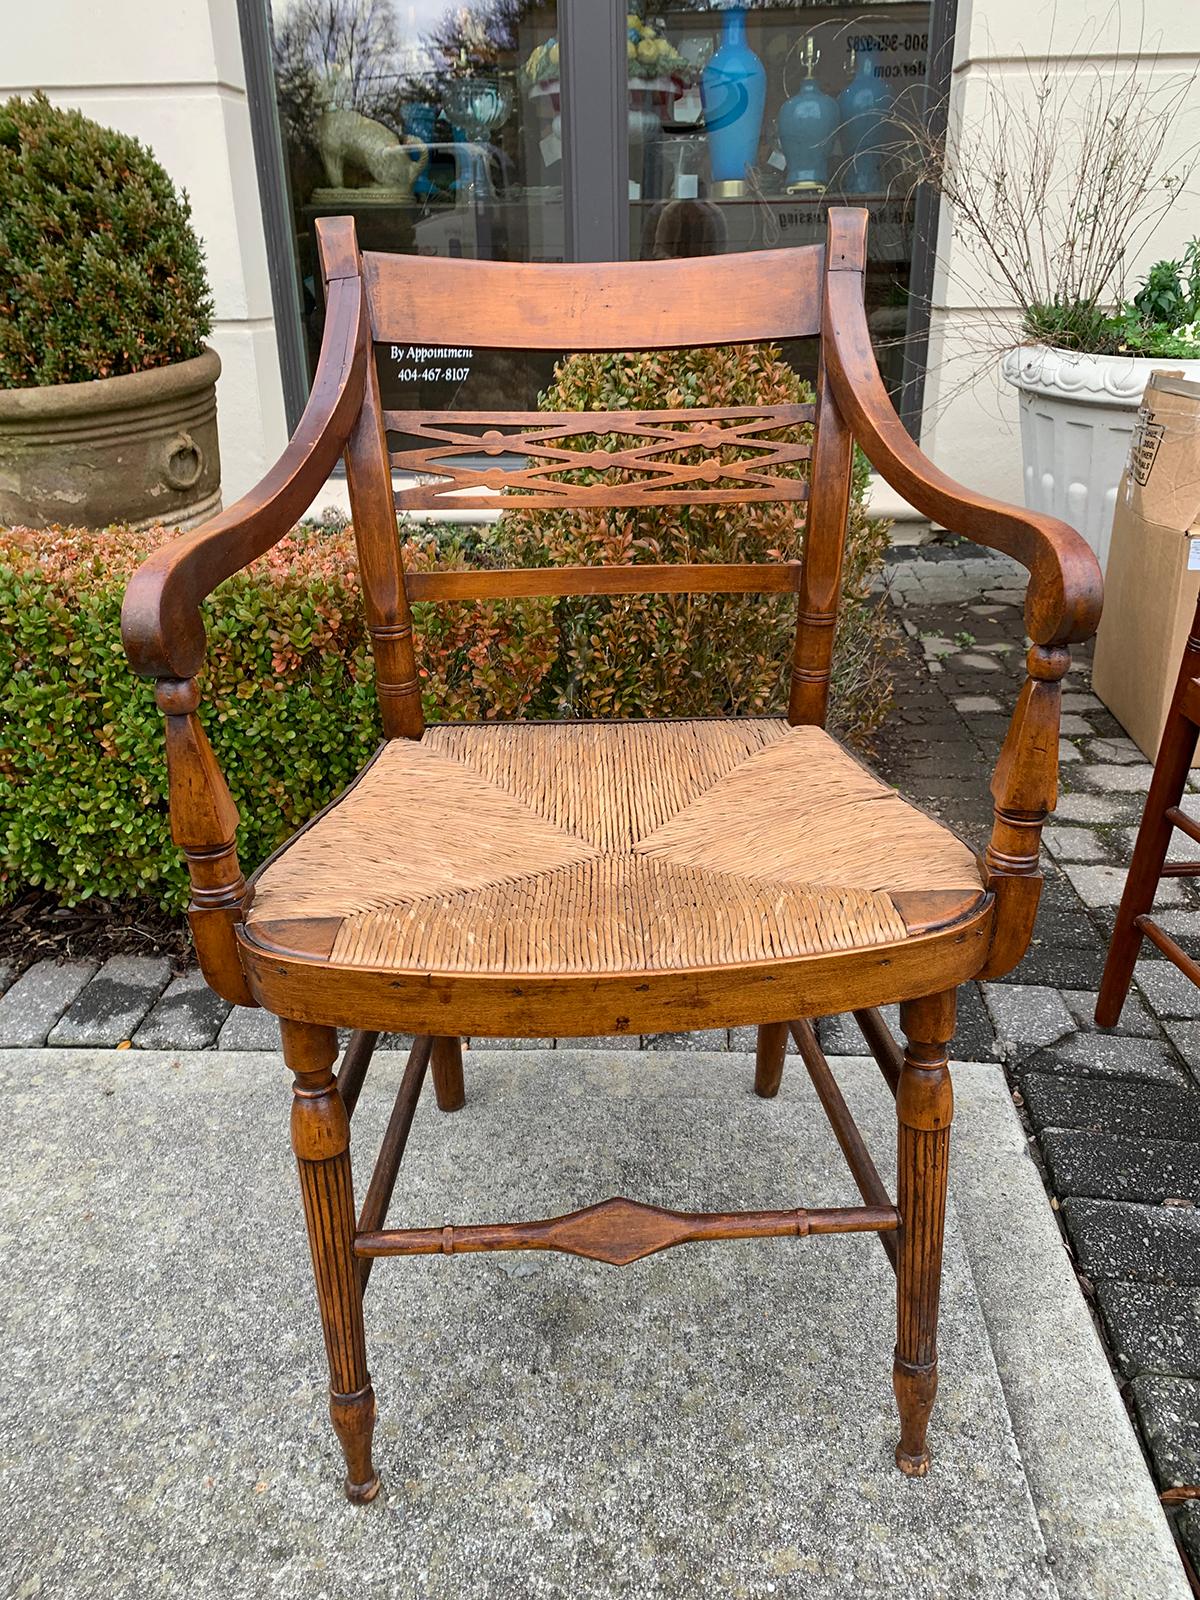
column 717, row 1420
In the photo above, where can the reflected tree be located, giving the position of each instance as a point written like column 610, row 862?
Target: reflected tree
column 334, row 52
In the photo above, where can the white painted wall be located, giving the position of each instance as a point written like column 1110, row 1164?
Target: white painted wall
column 970, row 421
column 172, row 76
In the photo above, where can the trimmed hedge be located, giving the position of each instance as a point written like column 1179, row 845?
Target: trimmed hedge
column 699, row 655
column 288, row 700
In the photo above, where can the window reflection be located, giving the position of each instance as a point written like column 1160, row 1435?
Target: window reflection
column 420, row 119
column 766, row 115
column 438, row 127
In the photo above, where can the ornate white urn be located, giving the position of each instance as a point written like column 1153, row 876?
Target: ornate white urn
column 1077, row 415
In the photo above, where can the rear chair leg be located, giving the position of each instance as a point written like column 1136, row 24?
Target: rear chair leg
column 768, row 1058
column 446, row 1063
column 1176, row 752
column 924, row 1107
column 321, row 1140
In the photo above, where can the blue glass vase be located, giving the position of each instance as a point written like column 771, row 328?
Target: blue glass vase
column 420, row 119
column 733, row 90
column 864, row 105
column 806, row 125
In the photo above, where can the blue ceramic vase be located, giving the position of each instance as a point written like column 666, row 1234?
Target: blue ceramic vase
column 733, row 89
column 806, row 125
column 864, row 105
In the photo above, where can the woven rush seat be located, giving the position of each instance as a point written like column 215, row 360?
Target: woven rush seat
column 581, row 848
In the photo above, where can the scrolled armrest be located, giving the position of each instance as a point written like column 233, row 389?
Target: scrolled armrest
column 164, row 633
column 1066, row 588
column 160, row 618
column 1062, row 604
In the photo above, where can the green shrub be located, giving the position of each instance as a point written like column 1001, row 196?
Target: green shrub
column 695, row 655
column 100, row 270
column 1162, row 319
column 288, row 700
column 287, row 691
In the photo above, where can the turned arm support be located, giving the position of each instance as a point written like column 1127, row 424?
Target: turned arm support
column 1062, row 602
column 164, row 638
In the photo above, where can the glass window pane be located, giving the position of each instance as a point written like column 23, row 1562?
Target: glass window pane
column 747, row 122
column 436, row 127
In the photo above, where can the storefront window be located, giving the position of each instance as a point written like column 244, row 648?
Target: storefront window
column 747, row 123
column 414, row 118
column 439, row 128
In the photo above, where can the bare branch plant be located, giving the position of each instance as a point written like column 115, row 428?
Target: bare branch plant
column 1059, row 176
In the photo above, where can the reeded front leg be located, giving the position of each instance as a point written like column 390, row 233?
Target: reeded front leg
column 447, row 1067
column 321, row 1140
column 770, row 1050
column 924, row 1108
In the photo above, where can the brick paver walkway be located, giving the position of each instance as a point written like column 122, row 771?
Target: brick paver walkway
column 1116, row 1113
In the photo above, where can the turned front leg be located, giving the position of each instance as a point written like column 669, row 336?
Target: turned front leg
column 924, row 1107
column 321, row 1140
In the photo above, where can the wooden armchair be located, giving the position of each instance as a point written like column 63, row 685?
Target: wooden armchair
column 582, row 879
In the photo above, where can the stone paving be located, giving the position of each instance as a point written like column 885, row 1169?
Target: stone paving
column 1115, row 1114
column 712, row 1422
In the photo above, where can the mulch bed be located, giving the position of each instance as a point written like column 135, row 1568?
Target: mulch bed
column 38, row 926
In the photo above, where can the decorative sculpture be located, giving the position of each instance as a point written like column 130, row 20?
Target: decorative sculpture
column 348, row 139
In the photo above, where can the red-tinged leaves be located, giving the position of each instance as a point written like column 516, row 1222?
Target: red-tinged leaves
column 288, row 700
column 681, row 655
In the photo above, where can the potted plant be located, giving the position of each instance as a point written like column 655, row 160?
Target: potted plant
column 1055, row 186
column 1081, row 385
column 107, row 400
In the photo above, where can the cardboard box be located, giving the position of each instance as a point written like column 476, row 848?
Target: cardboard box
column 1153, row 575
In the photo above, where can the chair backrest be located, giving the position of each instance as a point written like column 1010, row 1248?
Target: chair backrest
column 644, row 458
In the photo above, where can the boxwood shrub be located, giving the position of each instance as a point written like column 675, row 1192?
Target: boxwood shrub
column 101, row 272
column 700, row 655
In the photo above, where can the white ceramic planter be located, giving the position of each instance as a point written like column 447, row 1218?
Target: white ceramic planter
column 1077, row 415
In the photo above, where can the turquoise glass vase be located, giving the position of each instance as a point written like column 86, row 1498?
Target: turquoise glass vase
column 733, row 90
column 864, row 104
column 806, row 125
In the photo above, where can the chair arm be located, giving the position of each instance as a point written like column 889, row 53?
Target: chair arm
column 1062, row 602
column 164, row 634
column 160, row 618
column 1065, row 590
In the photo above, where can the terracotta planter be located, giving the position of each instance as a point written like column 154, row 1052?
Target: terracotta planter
column 1077, row 416
column 140, row 449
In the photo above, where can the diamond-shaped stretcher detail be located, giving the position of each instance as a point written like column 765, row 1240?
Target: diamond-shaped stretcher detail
column 599, row 848
column 618, row 1231
column 621, row 1231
